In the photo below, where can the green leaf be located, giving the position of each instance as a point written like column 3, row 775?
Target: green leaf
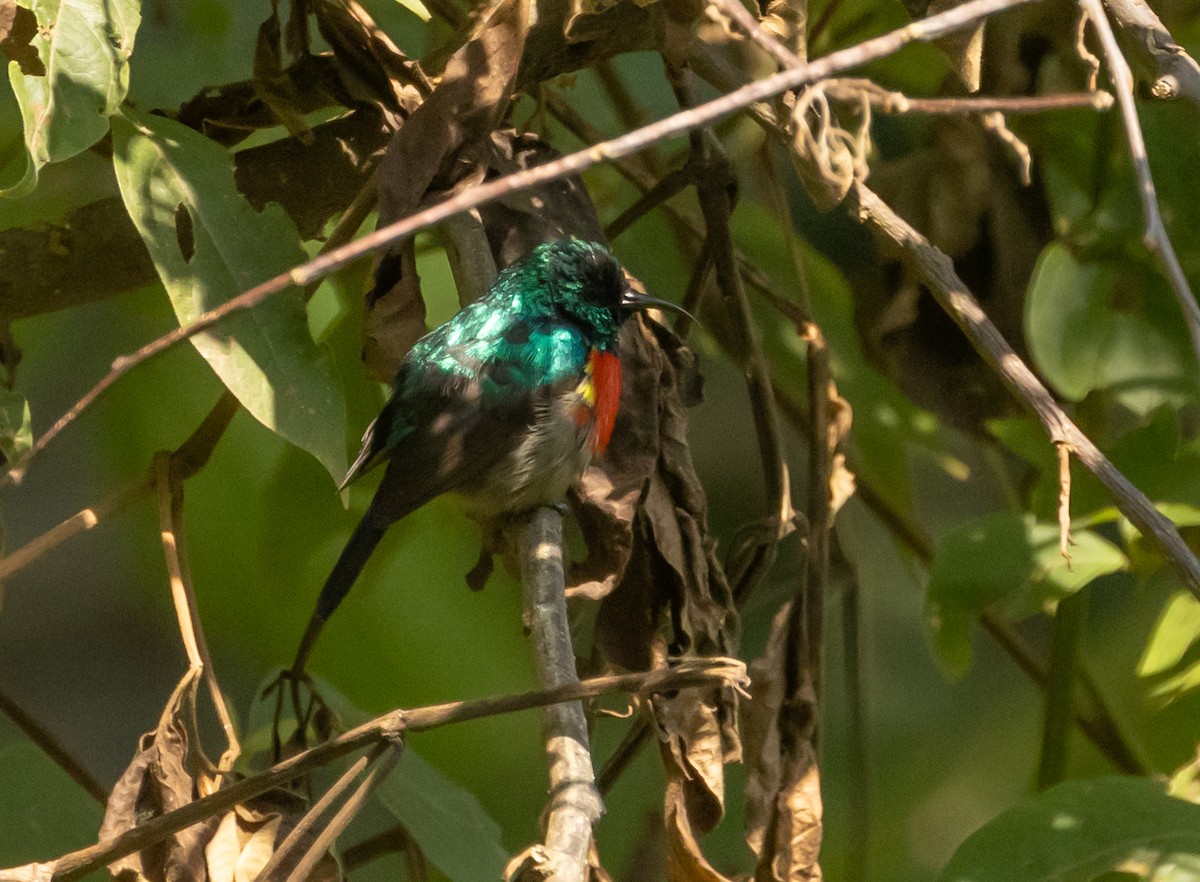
column 1081, row 829
column 446, row 820
column 1110, row 326
column 1171, row 660
column 43, row 812
column 1005, row 556
column 16, row 428
column 209, row 245
column 84, row 46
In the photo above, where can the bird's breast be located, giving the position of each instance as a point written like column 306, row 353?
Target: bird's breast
column 570, row 427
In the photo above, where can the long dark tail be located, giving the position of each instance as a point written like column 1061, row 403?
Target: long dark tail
column 345, row 572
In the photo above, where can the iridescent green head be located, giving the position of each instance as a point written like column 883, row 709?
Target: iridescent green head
column 587, row 283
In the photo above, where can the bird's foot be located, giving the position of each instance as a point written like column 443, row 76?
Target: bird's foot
column 309, row 712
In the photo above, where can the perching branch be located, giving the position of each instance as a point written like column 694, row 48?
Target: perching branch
column 386, row 728
column 575, row 804
column 869, row 50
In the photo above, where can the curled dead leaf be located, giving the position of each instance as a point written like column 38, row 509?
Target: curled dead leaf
column 164, row 776
column 783, row 794
column 685, row 860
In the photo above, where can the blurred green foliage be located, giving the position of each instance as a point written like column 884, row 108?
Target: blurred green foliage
column 87, row 635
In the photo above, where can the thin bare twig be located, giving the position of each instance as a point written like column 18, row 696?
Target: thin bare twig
column 385, row 728
column 188, row 458
column 869, row 50
column 303, row 833
column 1155, row 237
column 346, row 813
column 575, row 804
column 53, row 748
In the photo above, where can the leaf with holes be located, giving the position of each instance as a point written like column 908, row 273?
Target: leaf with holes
column 84, row 48
column 209, row 245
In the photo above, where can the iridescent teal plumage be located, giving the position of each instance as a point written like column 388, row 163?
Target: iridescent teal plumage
column 505, row 404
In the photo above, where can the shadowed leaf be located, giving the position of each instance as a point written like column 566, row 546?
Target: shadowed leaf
column 265, row 355
column 84, row 47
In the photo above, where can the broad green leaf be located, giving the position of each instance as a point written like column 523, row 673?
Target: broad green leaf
column 446, row 820
column 43, row 812
column 1171, row 660
column 1110, row 326
column 84, row 46
column 1005, row 556
column 209, row 245
column 1079, row 830
column 16, row 428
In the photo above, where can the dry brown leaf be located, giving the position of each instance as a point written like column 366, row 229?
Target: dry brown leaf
column 841, row 479
column 443, row 141
column 371, row 69
column 518, row 222
column 693, row 749
column 163, row 777
column 783, row 796
column 272, row 83
column 964, row 48
column 787, row 21
column 685, row 861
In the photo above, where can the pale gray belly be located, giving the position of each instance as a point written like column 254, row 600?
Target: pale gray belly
column 543, row 466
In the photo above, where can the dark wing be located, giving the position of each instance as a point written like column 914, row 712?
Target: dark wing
column 463, row 400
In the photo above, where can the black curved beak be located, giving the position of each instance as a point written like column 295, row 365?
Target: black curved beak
column 633, row 301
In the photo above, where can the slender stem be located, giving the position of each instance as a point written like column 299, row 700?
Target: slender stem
column 1060, row 687
column 575, row 804
column 346, row 813
column 53, row 748
column 302, row 833
column 1156, row 237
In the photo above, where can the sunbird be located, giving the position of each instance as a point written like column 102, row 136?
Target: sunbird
column 506, row 404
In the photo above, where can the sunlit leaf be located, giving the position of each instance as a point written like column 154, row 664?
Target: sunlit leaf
column 416, row 7
column 1078, row 830
column 209, row 245
column 84, row 46
column 1110, row 326
column 1005, row 556
column 1171, row 660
